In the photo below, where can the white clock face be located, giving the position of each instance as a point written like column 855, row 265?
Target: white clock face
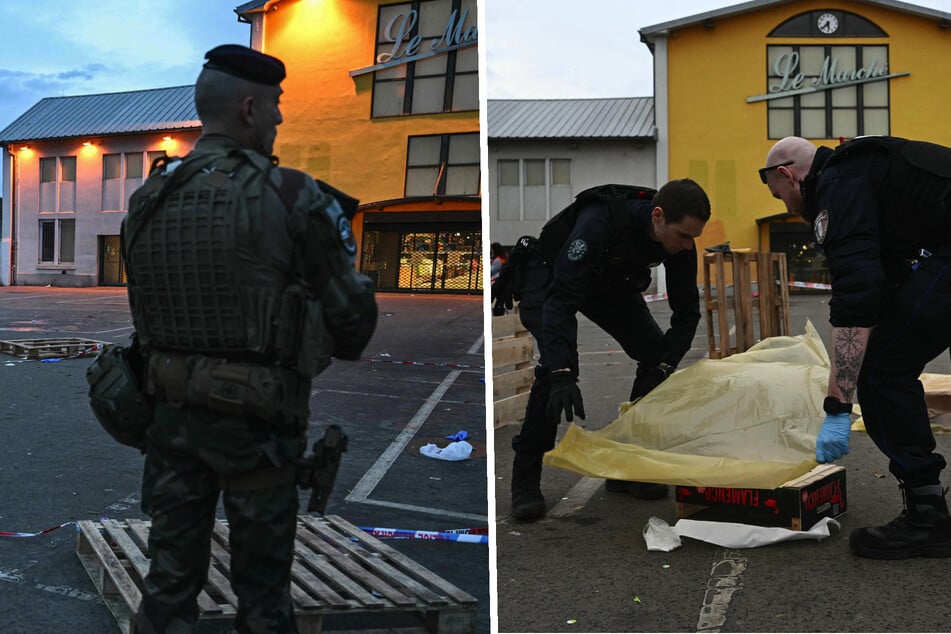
column 827, row 23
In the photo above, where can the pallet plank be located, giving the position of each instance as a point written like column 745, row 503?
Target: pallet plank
column 395, row 556
column 338, row 569
column 321, row 564
column 380, row 567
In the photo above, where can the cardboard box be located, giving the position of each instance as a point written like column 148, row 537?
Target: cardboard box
column 796, row 505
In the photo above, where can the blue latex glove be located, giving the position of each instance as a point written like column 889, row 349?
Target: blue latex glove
column 833, row 440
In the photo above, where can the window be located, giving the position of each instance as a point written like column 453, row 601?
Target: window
column 827, row 112
column 58, row 247
column 533, row 189
column 122, row 174
column 443, row 165
column 58, row 183
column 447, row 81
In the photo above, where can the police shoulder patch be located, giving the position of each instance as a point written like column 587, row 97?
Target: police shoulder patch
column 346, row 235
column 821, row 226
column 577, row 250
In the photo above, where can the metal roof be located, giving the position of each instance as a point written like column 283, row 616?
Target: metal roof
column 665, row 27
column 616, row 118
column 106, row 114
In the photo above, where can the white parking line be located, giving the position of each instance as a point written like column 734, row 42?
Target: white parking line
column 16, row 297
column 577, row 497
column 375, row 474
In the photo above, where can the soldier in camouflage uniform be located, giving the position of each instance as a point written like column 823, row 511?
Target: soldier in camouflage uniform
column 242, row 285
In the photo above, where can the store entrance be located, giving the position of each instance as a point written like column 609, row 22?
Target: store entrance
column 410, row 258
column 805, row 261
column 111, row 267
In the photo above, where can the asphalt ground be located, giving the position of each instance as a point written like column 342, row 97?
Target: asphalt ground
column 585, row 567
column 58, row 466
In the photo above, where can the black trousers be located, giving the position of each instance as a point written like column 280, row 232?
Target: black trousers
column 623, row 315
column 914, row 328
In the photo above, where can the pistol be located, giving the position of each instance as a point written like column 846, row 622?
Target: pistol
column 318, row 471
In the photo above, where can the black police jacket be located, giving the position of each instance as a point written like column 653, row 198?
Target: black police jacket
column 867, row 243
column 598, row 262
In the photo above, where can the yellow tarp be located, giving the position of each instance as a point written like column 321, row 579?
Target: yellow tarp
column 749, row 420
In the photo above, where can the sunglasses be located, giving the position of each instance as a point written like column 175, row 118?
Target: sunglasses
column 764, row 170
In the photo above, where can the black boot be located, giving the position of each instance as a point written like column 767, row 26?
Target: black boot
column 922, row 530
column 527, row 501
column 640, row 490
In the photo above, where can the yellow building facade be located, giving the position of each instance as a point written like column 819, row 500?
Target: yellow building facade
column 381, row 101
column 730, row 83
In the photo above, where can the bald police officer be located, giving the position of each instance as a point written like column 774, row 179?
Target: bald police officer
column 241, row 286
column 879, row 207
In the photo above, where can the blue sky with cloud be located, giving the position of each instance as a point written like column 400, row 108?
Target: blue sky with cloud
column 54, row 48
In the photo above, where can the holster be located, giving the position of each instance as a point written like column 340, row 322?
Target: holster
column 274, row 394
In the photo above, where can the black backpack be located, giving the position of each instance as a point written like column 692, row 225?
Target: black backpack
column 556, row 231
column 918, row 178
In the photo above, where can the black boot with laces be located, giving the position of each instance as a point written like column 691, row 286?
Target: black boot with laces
column 922, row 530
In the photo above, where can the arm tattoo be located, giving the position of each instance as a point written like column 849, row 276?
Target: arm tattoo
column 848, row 350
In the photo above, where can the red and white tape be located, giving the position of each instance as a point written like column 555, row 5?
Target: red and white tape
column 822, row 287
column 42, row 532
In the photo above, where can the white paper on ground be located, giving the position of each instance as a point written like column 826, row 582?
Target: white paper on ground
column 659, row 535
column 454, row 451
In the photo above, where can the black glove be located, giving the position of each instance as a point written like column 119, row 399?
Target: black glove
column 565, row 396
column 648, row 377
column 502, row 297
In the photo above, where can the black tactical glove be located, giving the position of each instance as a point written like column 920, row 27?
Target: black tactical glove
column 565, row 396
column 648, row 377
column 502, row 296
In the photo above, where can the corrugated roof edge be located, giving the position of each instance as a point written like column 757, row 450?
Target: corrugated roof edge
column 15, row 133
column 753, row 5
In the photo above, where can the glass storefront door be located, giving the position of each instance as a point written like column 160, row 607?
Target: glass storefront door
column 416, row 259
column 111, row 267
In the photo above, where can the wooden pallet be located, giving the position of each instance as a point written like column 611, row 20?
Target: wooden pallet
column 513, row 369
column 338, row 570
column 49, row 348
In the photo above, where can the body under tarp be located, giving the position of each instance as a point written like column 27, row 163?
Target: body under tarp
column 749, row 420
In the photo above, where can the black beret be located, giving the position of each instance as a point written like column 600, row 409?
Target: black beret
column 246, row 63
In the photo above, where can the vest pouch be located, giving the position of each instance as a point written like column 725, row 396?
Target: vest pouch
column 116, row 398
column 316, row 344
column 287, row 327
column 269, row 393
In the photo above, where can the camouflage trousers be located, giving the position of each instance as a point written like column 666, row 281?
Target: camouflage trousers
column 180, row 492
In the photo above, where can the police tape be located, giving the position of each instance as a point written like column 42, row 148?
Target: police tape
column 37, row 534
column 89, row 352
column 427, row 363
column 823, row 287
column 813, row 285
column 441, row 536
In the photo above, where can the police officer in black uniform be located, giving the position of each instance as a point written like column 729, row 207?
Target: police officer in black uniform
column 600, row 265
column 879, row 207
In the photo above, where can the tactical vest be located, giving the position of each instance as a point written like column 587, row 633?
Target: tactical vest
column 187, row 244
column 556, row 231
column 915, row 195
